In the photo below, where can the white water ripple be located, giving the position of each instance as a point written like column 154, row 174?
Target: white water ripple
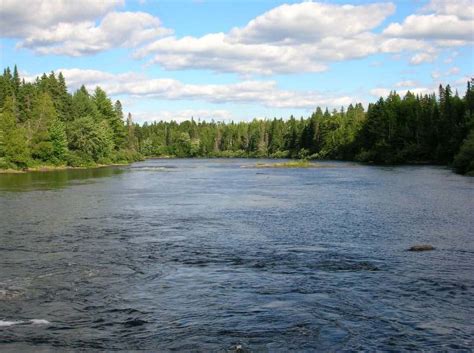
column 5, row 323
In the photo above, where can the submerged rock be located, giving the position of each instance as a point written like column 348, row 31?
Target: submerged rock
column 421, row 247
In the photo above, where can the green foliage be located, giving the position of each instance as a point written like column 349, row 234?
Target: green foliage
column 126, row 156
column 90, row 138
column 16, row 150
column 301, row 163
column 42, row 124
column 13, row 147
column 57, row 133
column 394, row 130
column 44, row 117
column 464, row 160
column 112, row 115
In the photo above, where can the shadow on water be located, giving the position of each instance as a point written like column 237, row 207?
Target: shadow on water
column 55, row 179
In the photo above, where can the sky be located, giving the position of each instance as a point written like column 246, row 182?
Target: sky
column 238, row 60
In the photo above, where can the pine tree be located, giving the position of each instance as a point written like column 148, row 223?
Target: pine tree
column 13, row 146
column 131, row 139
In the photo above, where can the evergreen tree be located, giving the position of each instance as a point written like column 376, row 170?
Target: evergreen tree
column 13, row 147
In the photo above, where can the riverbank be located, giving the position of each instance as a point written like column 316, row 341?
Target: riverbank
column 51, row 168
column 305, row 163
column 289, row 164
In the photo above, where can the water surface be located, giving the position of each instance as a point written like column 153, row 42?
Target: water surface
column 203, row 255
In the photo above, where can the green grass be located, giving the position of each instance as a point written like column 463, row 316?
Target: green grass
column 290, row 164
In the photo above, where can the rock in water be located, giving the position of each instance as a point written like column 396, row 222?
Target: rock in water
column 422, row 247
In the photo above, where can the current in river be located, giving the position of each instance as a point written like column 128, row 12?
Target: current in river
column 215, row 255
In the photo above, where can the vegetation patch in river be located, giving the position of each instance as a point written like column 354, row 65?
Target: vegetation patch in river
column 291, row 164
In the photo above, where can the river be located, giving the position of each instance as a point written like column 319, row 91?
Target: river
column 204, row 255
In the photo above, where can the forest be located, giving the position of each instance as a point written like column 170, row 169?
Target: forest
column 394, row 130
column 41, row 123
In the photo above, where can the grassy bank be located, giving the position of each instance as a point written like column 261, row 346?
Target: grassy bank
column 50, row 168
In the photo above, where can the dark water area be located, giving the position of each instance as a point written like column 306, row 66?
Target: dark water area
column 204, row 255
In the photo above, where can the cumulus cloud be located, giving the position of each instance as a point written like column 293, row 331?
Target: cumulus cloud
column 215, row 53
column 384, row 92
column 433, row 26
column 302, row 37
column 18, row 19
column 438, row 75
column 182, row 115
column 407, row 83
column 421, row 58
column 435, row 74
column 445, row 23
column 309, row 36
column 21, row 18
column 63, row 27
column 462, row 81
column 440, row 24
column 398, row 45
column 311, row 21
column 117, row 29
column 290, row 38
column 265, row 93
column 380, row 92
column 453, row 71
column 463, row 9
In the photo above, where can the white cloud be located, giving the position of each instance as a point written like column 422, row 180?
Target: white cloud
column 435, row 74
column 303, row 37
column 308, row 36
column 216, row 53
column 64, row 27
column 462, row 81
column 450, row 23
column 384, row 92
column 183, row 115
column 463, row 9
column 407, row 83
column 398, row 45
column 421, row 58
column 117, row 29
column 265, row 93
column 453, row 71
column 442, row 24
column 296, row 38
column 380, row 92
column 433, row 26
column 19, row 19
column 446, row 43
column 311, row 21
column 213, row 52
column 451, row 57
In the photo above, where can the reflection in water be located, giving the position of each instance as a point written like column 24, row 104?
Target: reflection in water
column 203, row 255
column 54, row 179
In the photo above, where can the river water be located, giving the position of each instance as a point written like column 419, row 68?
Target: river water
column 204, row 255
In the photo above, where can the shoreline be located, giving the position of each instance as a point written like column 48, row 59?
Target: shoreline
column 46, row 168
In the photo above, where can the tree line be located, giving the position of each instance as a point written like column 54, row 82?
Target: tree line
column 393, row 130
column 40, row 122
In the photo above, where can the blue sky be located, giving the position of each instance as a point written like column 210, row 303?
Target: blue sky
column 236, row 60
